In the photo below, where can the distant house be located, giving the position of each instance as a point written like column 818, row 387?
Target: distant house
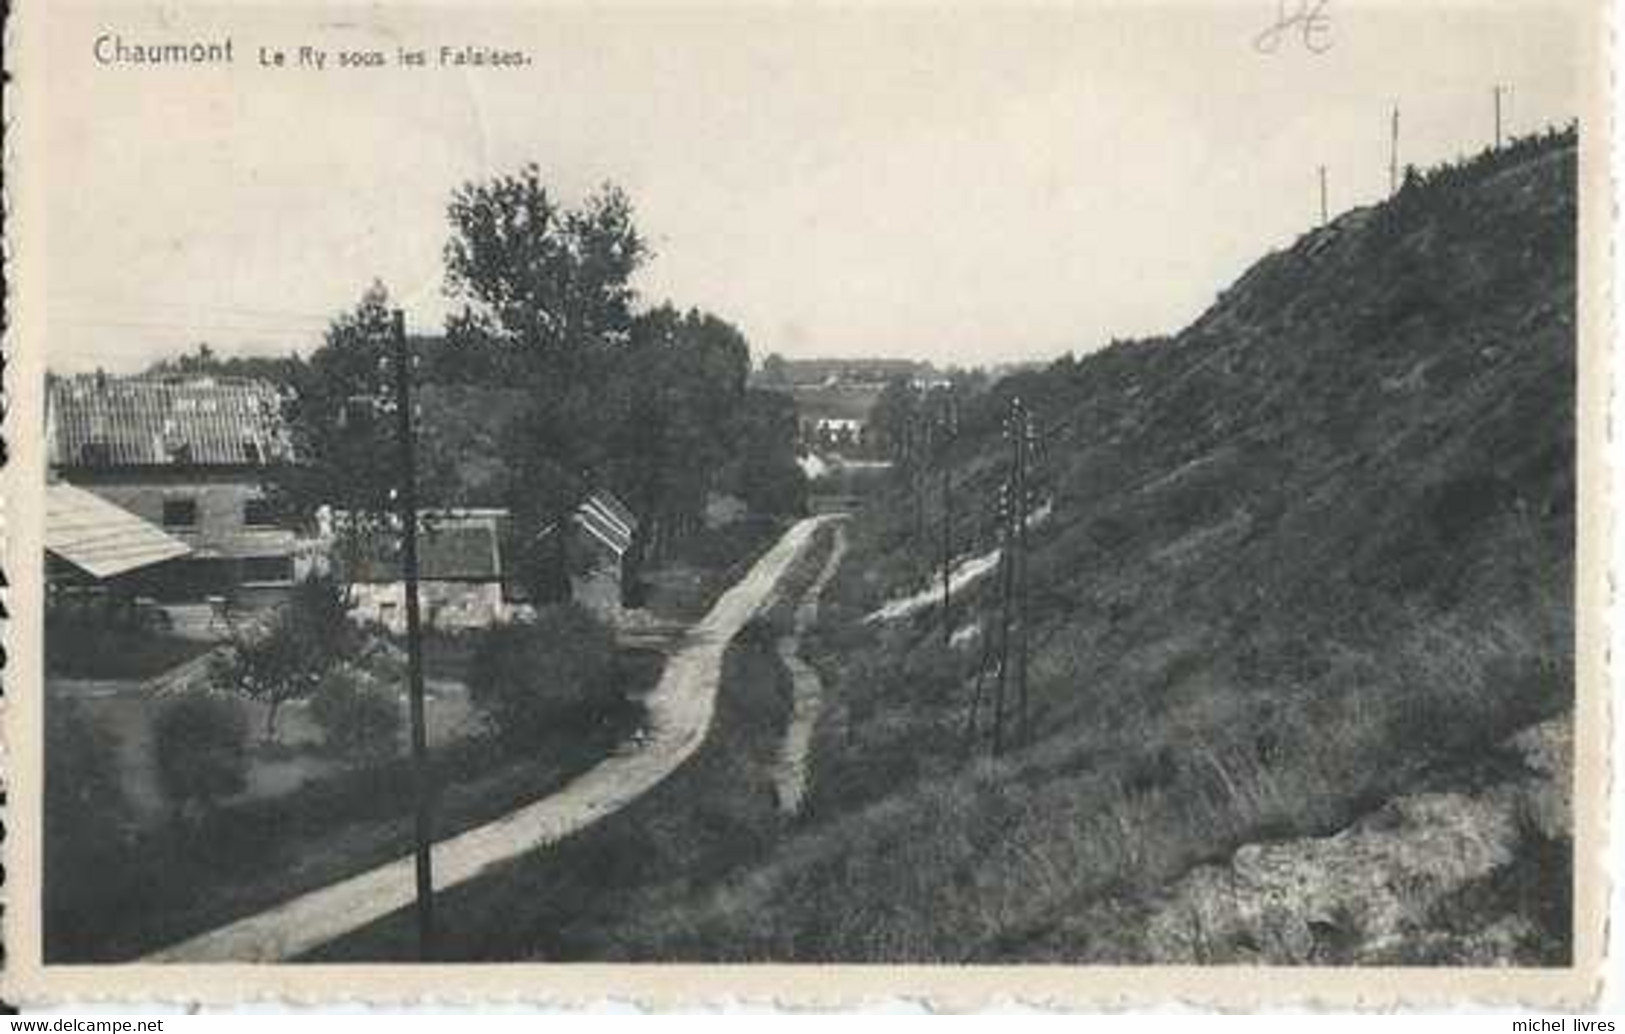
column 461, row 576
column 465, row 572
column 833, row 432
column 830, row 373
column 183, row 460
column 605, row 529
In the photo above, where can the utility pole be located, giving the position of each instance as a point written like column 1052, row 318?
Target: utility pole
column 992, row 528
column 976, row 692
column 1006, row 574
column 1011, row 524
column 1323, row 211
column 916, row 477
column 1497, row 116
column 1393, row 154
column 407, row 497
column 949, row 425
column 1026, row 438
column 1013, row 510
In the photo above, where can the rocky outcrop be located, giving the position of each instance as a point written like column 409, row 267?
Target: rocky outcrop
column 1381, row 891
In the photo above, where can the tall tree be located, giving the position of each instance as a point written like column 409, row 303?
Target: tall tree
column 680, row 382
column 551, row 280
column 343, row 441
column 551, row 286
column 764, row 470
column 893, row 418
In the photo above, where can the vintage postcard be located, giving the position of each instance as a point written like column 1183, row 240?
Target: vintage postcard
column 1088, row 503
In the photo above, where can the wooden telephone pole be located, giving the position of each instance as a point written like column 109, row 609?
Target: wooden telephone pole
column 1006, row 591
column 1014, row 619
column 916, row 476
column 1026, row 438
column 1393, row 154
column 1323, row 207
column 948, row 425
column 407, row 497
column 1497, row 92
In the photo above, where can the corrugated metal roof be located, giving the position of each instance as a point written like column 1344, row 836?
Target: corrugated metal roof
column 603, row 517
column 102, row 539
column 99, row 421
column 606, row 519
column 609, row 502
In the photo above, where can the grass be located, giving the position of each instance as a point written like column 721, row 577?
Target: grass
column 446, row 655
column 176, row 881
column 1536, row 890
column 605, row 891
column 1018, row 858
column 1287, row 578
column 138, row 891
column 1284, row 581
column 77, row 649
column 714, row 815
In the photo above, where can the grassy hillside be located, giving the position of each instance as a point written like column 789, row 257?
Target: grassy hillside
column 1313, row 552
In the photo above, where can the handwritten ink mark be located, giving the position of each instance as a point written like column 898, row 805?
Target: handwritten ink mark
column 1306, row 18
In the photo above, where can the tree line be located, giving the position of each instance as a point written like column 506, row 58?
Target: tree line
column 550, row 382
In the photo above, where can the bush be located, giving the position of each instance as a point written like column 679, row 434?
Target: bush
column 84, row 804
column 320, row 606
column 202, row 754
column 360, row 717
column 558, row 668
column 89, row 874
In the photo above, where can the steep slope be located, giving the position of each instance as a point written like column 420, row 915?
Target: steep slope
column 1311, row 554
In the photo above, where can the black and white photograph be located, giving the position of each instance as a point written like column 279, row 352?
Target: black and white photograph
column 949, row 485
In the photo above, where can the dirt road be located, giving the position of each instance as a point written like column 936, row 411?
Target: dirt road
column 680, row 710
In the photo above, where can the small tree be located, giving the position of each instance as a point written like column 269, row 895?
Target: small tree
column 359, row 716
column 287, row 660
column 202, row 755
column 530, row 676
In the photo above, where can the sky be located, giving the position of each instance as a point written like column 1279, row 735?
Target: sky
column 964, row 183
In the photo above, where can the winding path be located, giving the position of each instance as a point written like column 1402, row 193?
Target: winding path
column 680, row 709
column 793, row 773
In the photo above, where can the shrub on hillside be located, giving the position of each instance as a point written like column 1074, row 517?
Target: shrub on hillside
column 360, row 717
column 558, row 668
column 934, row 672
column 929, row 673
column 201, row 748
